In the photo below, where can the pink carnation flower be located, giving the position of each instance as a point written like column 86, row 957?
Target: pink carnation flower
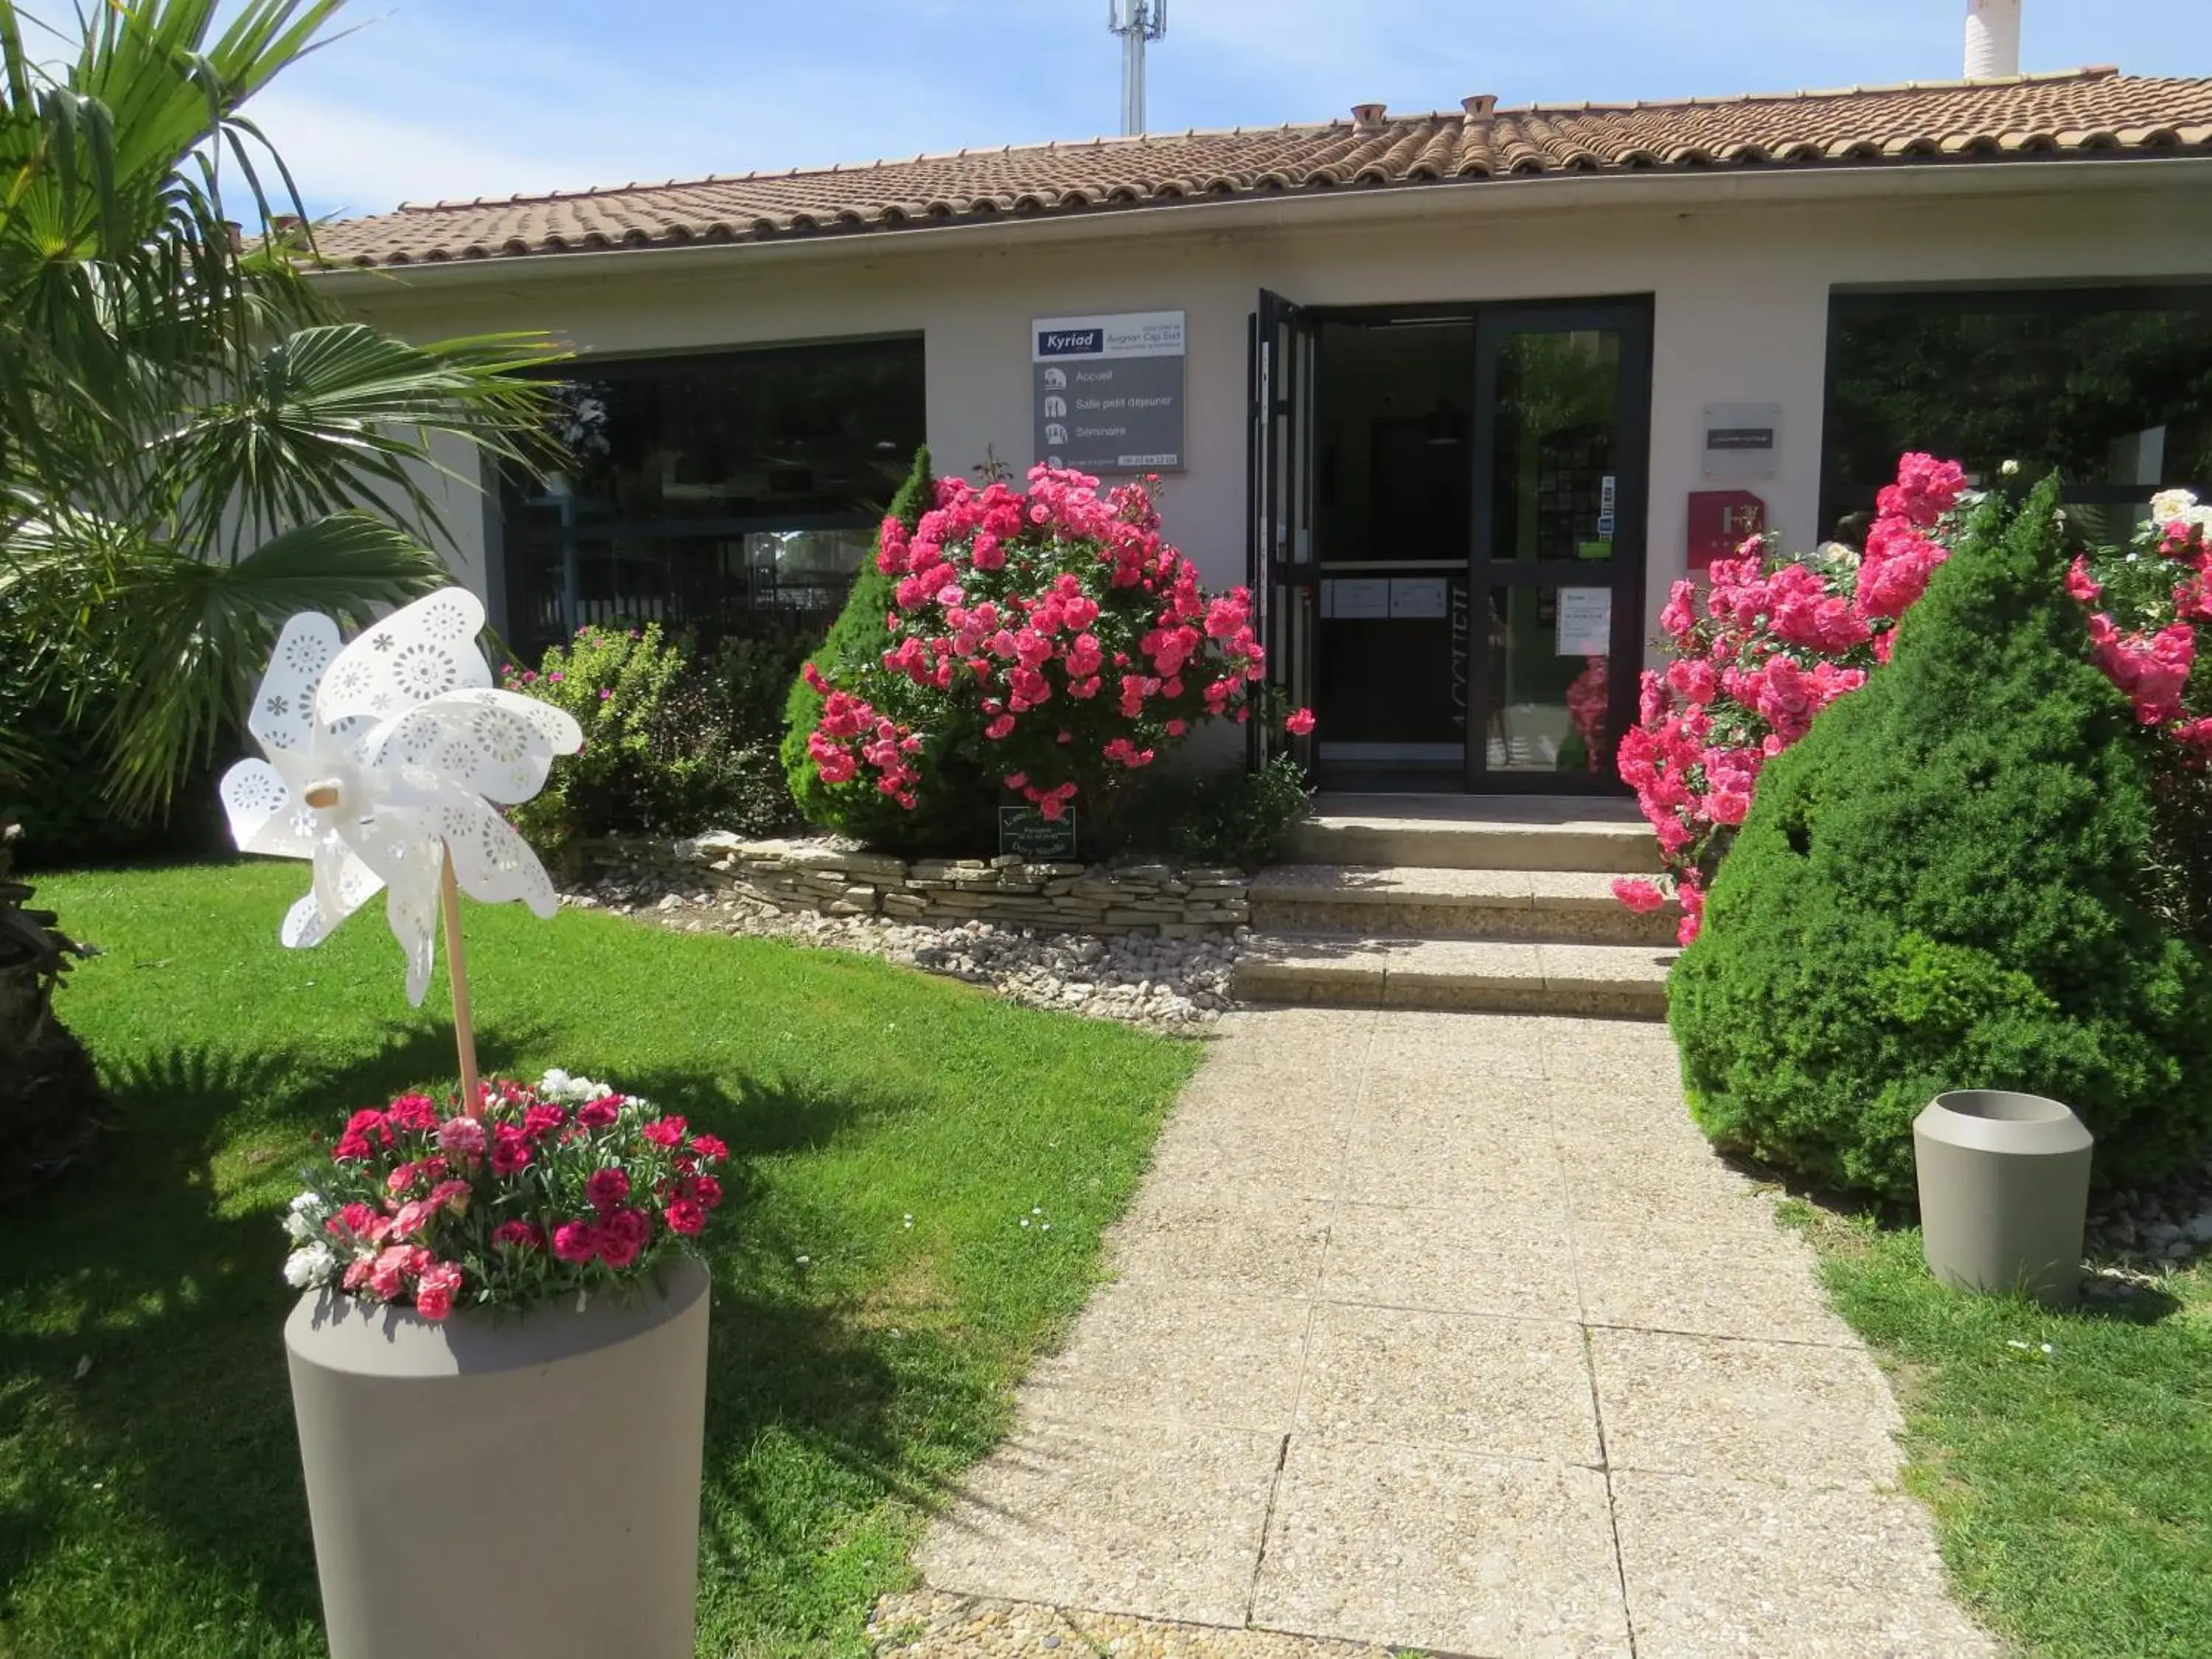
column 606, row 1188
column 576, row 1241
column 464, row 1136
column 436, row 1290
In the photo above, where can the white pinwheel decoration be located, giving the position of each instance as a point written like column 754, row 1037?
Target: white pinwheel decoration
column 385, row 758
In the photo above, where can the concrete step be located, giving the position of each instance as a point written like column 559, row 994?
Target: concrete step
column 1618, row 982
column 1478, row 832
column 1573, row 907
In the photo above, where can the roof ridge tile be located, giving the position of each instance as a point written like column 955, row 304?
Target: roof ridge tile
column 2087, row 114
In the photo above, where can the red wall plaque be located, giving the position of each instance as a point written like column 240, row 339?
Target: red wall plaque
column 1721, row 521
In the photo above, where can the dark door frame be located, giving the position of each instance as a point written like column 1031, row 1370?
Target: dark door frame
column 1282, row 364
column 1284, row 374
column 1624, row 573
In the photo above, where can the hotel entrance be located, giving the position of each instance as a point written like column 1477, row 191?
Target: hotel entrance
column 1448, row 537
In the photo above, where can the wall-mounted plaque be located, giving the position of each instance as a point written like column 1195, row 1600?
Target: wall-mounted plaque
column 1108, row 391
column 1026, row 833
column 1742, row 441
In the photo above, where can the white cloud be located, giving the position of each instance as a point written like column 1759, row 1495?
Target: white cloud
column 352, row 159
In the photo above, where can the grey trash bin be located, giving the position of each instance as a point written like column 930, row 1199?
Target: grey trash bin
column 2004, row 1187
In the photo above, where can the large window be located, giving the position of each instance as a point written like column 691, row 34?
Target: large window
column 2111, row 386
column 736, row 493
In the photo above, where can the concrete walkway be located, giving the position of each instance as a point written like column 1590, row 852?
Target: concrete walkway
column 1446, row 1331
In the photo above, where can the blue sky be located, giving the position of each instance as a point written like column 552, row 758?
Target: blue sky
column 431, row 98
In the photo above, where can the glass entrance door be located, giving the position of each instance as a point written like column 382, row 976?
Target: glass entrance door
column 1555, row 583
column 1447, row 538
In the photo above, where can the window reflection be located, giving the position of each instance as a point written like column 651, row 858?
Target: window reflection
column 1549, row 698
column 1558, row 404
column 714, row 492
column 2112, row 387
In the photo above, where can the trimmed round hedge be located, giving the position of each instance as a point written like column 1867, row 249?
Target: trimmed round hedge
column 1942, row 886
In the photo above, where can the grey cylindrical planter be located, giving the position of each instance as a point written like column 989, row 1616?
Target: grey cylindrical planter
column 2004, row 1187
column 527, row 1485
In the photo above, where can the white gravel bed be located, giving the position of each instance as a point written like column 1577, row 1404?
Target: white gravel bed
column 1174, row 984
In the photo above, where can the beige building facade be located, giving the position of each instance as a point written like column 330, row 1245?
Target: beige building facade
column 1733, row 276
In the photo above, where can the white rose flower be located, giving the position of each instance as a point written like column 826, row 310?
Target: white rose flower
column 311, row 1267
column 2010, row 468
column 2171, row 504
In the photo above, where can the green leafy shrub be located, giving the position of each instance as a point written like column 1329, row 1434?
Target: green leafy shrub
column 1229, row 816
column 662, row 753
column 953, row 798
column 1949, row 883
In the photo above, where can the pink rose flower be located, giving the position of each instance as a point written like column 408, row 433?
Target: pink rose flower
column 1641, row 897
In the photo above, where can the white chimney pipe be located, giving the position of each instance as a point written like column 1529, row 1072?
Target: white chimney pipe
column 1992, row 39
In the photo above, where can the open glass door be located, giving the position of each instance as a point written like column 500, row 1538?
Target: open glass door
column 1280, row 478
column 1562, row 405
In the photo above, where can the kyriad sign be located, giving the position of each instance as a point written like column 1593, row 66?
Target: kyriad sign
column 1108, row 391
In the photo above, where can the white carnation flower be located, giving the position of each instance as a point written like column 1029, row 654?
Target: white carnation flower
column 558, row 1085
column 303, row 1219
column 314, row 1265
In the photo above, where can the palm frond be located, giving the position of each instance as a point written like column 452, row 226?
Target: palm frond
column 199, row 632
column 343, row 415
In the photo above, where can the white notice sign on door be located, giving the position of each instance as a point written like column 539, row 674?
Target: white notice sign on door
column 1417, row 596
column 1364, row 596
column 1585, row 624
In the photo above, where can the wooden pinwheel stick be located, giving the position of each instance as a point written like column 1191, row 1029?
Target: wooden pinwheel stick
column 457, row 970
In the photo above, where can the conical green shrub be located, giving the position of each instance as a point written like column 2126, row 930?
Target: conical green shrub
column 1942, row 887
column 954, row 801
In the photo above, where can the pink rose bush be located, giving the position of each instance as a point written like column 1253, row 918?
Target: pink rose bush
column 2146, row 604
column 564, row 1187
column 1771, row 643
column 1053, row 629
column 1755, row 656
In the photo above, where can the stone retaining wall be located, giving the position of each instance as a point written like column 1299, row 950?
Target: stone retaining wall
column 1167, row 900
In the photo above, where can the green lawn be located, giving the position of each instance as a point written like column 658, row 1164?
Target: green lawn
column 2072, row 1485
column 153, row 1506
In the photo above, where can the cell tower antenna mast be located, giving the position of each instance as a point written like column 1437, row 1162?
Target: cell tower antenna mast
column 1138, row 22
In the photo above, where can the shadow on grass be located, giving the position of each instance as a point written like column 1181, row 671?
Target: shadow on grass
column 184, row 1412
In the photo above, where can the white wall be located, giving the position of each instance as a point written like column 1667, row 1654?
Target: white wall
column 1741, row 279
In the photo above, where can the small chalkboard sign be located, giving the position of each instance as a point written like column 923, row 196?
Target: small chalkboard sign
column 1026, row 833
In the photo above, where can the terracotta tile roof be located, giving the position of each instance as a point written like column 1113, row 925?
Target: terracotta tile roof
column 2083, row 114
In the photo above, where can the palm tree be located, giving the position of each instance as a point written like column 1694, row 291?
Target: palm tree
column 193, row 445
